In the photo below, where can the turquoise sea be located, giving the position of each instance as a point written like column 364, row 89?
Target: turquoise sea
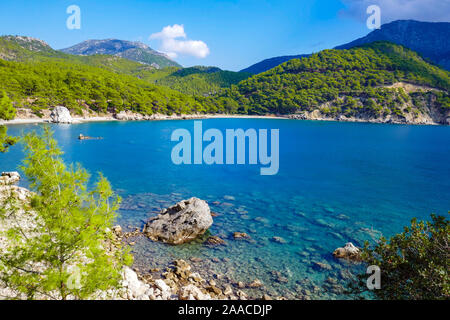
column 337, row 182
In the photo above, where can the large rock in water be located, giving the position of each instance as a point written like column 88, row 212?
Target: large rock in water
column 61, row 115
column 180, row 223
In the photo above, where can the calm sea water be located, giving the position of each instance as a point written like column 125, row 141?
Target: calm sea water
column 337, row 182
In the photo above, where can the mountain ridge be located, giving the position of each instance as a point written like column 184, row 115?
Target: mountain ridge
column 429, row 39
column 132, row 50
column 270, row 63
column 197, row 80
column 358, row 84
column 434, row 34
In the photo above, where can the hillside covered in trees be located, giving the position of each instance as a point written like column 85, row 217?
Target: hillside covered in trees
column 353, row 83
column 75, row 86
column 202, row 81
column 359, row 83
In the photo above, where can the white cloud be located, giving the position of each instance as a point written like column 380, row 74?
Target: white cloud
column 421, row 10
column 173, row 45
column 170, row 32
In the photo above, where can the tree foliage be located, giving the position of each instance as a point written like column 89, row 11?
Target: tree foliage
column 414, row 264
column 332, row 75
column 352, row 83
column 67, row 240
column 7, row 112
column 77, row 86
column 199, row 81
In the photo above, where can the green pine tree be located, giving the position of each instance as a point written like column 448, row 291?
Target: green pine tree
column 5, row 140
column 7, row 112
column 64, row 255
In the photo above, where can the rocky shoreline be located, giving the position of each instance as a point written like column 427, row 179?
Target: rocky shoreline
column 317, row 116
column 191, row 278
column 179, row 280
column 62, row 115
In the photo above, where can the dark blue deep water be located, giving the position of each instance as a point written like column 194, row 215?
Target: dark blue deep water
column 337, row 182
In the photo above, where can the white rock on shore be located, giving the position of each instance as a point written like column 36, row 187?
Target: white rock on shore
column 9, row 177
column 136, row 289
column 61, row 114
column 191, row 292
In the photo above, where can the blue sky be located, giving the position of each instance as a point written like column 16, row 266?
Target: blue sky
column 237, row 33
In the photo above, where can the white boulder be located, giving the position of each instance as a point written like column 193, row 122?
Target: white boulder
column 136, row 289
column 61, row 114
column 191, row 292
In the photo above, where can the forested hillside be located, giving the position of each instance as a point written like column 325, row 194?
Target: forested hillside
column 350, row 82
column 270, row 63
column 40, row 85
column 25, row 49
column 355, row 83
column 203, row 81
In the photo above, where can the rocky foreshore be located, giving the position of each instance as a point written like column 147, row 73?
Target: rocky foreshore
column 190, row 277
column 433, row 118
column 62, row 115
column 179, row 280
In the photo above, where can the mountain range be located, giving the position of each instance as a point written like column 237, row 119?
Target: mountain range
column 379, row 81
column 430, row 39
column 118, row 56
column 136, row 51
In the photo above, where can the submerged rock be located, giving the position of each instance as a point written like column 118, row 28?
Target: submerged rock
column 214, row 241
column 278, row 240
column 180, row 223
column 321, row 265
column 61, row 114
column 240, row 235
column 349, row 252
column 256, row 284
column 182, row 269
